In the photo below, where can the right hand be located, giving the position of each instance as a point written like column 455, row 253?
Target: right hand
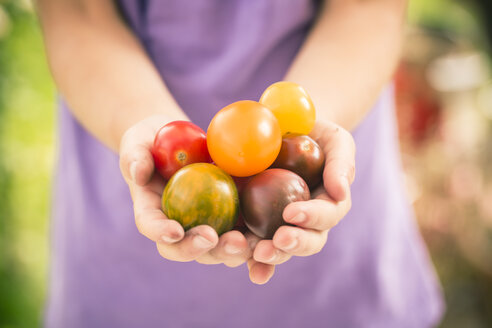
column 200, row 243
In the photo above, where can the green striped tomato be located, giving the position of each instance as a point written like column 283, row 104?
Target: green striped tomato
column 201, row 193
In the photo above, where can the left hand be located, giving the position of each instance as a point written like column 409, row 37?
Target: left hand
column 314, row 218
column 201, row 243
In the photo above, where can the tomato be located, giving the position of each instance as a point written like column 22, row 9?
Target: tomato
column 244, row 138
column 291, row 105
column 178, row 144
column 302, row 155
column 265, row 197
column 240, row 225
column 201, row 193
column 240, row 182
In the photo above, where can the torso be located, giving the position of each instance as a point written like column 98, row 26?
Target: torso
column 373, row 271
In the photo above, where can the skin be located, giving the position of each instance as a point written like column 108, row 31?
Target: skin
column 345, row 62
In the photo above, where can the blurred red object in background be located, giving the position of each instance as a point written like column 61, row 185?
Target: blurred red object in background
column 417, row 106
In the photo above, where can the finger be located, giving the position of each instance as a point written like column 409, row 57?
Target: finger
column 196, row 242
column 136, row 161
column 149, row 218
column 299, row 242
column 320, row 214
column 232, row 250
column 260, row 273
column 154, row 225
column 266, row 252
column 252, row 240
column 339, row 148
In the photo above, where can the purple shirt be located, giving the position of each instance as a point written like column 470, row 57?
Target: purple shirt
column 374, row 270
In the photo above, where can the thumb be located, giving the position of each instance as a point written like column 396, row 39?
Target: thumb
column 339, row 148
column 136, row 161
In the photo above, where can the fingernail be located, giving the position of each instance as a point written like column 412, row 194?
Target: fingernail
column 231, row 249
column 299, row 218
column 201, row 242
column 345, row 184
column 291, row 245
column 169, row 239
column 273, row 257
column 133, row 171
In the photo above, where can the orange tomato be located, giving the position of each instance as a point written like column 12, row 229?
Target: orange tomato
column 244, row 138
column 292, row 106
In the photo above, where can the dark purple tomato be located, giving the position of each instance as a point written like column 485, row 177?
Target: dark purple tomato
column 302, row 155
column 240, row 183
column 265, row 196
column 240, row 225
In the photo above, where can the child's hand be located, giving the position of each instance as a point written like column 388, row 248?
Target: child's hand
column 329, row 205
column 200, row 243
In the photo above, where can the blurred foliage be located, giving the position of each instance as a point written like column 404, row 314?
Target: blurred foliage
column 444, row 103
column 455, row 221
column 446, row 15
column 26, row 160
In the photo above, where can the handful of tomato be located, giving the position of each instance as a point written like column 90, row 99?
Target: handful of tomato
column 264, row 142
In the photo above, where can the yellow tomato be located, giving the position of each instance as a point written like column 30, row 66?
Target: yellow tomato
column 291, row 105
column 244, row 138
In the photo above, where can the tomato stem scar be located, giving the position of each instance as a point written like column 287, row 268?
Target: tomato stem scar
column 181, row 156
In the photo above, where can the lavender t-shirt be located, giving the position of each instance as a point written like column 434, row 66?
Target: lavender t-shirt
column 374, row 270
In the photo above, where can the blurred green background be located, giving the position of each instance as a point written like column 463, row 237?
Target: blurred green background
column 449, row 179
column 27, row 97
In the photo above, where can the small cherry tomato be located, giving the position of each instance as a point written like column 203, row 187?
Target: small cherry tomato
column 303, row 156
column 244, row 138
column 291, row 105
column 265, row 197
column 178, row 144
column 199, row 194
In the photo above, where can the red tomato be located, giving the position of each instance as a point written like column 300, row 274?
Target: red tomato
column 178, row 144
column 244, row 138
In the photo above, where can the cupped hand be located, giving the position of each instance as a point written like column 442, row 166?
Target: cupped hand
column 201, row 243
column 329, row 204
